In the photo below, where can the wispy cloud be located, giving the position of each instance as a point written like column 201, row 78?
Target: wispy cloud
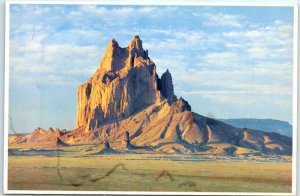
column 221, row 19
column 42, row 63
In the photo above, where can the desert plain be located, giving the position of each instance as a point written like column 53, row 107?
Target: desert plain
column 73, row 169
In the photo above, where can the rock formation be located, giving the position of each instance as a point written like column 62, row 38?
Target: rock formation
column 60, row 143
column 166, row 87
column 106, row 145
column 124, row 83
column 57, row 132
column 41, row 135
column 50, row 130
column 107, row 149
column 127, row 104
column 126, row 145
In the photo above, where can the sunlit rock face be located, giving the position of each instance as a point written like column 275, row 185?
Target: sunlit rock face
column 125, row 83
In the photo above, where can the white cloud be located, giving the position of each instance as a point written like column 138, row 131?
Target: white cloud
column 240, row 98
column 221, row 20
column 184, row 40
column 148, row 10
column 272, row 35
column 120, row 15
column 258, row 52
column 221, row 59
column 65, row 62
column 238, row 87
column 105, row 12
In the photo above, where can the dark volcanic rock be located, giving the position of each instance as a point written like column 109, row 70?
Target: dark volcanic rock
column 106, row 145
column 126, row 141
column 107, row 149
column 60, row 143
column 166, row 87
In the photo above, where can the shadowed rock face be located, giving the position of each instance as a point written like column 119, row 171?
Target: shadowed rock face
column 59, row 143
column 166, row 87
column 107, row 149
column 126, row 141
column 106, row 145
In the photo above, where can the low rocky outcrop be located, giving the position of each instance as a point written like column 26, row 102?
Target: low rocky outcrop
column 60, row 143
column 107, row 149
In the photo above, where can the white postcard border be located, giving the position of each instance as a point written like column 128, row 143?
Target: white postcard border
column 156, row 3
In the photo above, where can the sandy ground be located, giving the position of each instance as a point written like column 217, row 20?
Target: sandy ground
column 147, row 172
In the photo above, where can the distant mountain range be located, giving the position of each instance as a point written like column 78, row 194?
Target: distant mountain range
column 268, row 125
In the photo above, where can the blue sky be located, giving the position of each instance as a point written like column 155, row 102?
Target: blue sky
column 228, row 62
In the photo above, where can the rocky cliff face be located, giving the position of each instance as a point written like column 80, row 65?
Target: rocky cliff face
column 125, row 82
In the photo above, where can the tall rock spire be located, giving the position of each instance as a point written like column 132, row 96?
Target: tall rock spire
column 166, row 87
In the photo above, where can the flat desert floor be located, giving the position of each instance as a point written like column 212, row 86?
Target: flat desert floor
column 147, row 172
